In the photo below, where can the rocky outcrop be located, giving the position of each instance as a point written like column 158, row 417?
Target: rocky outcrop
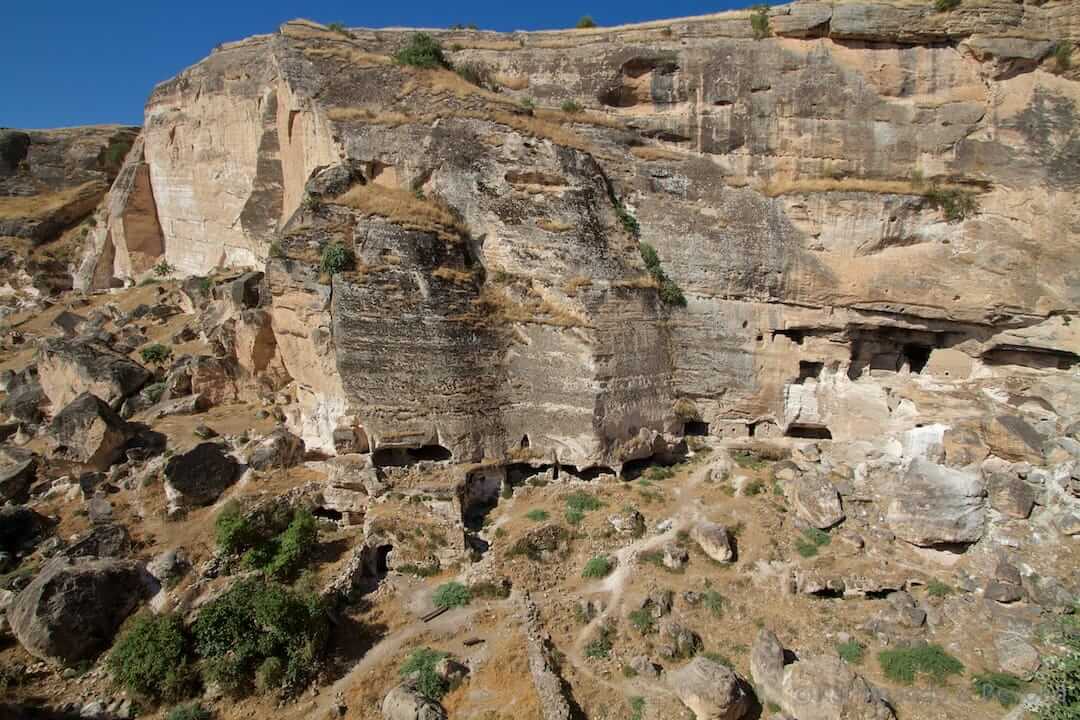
column 69, row 368
column 935, row 505
column 817, row 688
column 87, row 431
column 199, row 476
column 279, row 449
column 715, row 540
column 18, row 471
column 404, row 702
column 549, row 685
column 712, row 691
column 70, row 612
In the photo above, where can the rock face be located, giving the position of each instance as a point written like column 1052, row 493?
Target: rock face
column 811, row 214
column 87, row 431
column 711, row 690
column 817, row 501
column 69, row 368
column 405, row 703
column 199, row 476
column 18, row 470
column 279, row 449
column 71, row 611
column 819, row 688
column 935, row 505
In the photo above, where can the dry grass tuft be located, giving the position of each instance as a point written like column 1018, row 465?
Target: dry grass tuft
column 461, row 277
column 571, row 286
column 585, row 117
column 787, row 186
column 554, row 226
column 512, row 82
column 655, row 152
column 404, row 208
column 370, row 116
column 500, row 304
column 640, row 282
column 353, row 56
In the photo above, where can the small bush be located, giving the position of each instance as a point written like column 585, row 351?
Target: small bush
column 232, row 530
column 1060, row 676
column 269, row 675
column 946, row 5
column 582, row 501
column 151, row 658
column 748, row 459
column 659, row 472
column 163, row 269
column 417, row 570
column 339, row 29
column 637, row 708
column 1003, row 687
column 585, row 22
column 190, row 711
column 478, row 75
column 851, row 651
column 600, row 646
column 670, row 292
column 336, row 258
column 115, row 153
column 597, row 567
column 938, row 589
column 713, row 602
column 422, row 51
column 759, row 22
column 294, row 546
column 420, row 665
column 451, row 595
column 1063, row 55
column 903, row 665
column 155, row 354
column 955, row 204
column 537, row 515
column 643, row 620
column 630, row 223
column 528, row 103
column 486, row 589
column 153, row 393
column 571, row 106
column 754, row 488
column 574, row 517
column 276, row 250
column 811, row 541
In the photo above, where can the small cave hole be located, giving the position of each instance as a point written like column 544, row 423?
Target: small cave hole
column 809, row 432
column 808, row 370
column 696, row 428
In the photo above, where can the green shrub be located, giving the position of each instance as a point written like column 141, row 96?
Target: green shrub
column 528, row 103
column 811, row 540
column 153, row 393
column 163, row 268
column 487, row 589
column 422, row 51
column 478, row 75
column 190, row 711
column 643, row 620
column 670, row 292
column 946, row 5
column 451, row 595
column 417, row 570
column 582, row 501
column 254, row 620
column 600, row 646
column 537, row 515
column 903, row 665
column 420, row 665
column 759, row 21
column 339, row 29
column 155, row 354
column 1063, row 51
column 232, row 530
column 851, row 651
column 276, row 250
column 637, row 708
column 151, row 658
column 938, row 589
column 336, row 258
column 659, row 472
column 1003, row 687
column 713, row 602
column 294, row 546
column 754, row 488
column 574, row 517
column 630, row 223
column 597, row 567
column 269, row 675
column 955, row 204
column 114, row 154
column 748, row 459
column 585, row 22
column 571, row 106
column 1060, row 676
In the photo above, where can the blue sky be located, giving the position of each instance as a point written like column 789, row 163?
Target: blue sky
column 75, row 62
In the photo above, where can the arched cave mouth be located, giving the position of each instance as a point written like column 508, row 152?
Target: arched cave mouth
column 808, row 431
column 405, row 456
column 695, row 428
column 379, row 561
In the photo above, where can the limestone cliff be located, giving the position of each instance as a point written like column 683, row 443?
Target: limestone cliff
column 867, row 188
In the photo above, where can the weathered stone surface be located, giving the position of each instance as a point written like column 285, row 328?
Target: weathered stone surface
column 711, row 690
column 199, row 476
column 18, row 470
column 70, row 612
column 25, row 397
column 1012, row 438
column 404, row 702
column 816, row 500
column 279, row 449
column 815, row 688
column 21, row 528
column 88, row 431
column 69, row 368
column 934, row 505
column 715, row 540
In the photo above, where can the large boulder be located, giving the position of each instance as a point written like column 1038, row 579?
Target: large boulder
column 20, row 528
column 816, row 501
column 88, row 431
column 715, row 540
column 24, row 397
column 199, row 476
column 70, row 611
column 1012, row 438
column 816, row 688
column 18, row 470
column 403, row 702
column 935, row 505
column 69, row 368
column 711, row 690
column 279, row 449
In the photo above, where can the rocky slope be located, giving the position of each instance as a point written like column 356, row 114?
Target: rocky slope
column 792, row 295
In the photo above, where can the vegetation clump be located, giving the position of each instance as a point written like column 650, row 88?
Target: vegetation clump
column 189, row 711
column 955, row 204
column 1060, row 675
column 811, row 541
column 1062, row 53
column 571, row 106
column 585, row 22
column 600, row 646
column 759, row 22
column 851, row 651
column 537, row 515
column 155, row 354
column 643, row 620
column 1003, row 687
column 903, row 665
column 946, row 5
column 451, row 595
column 938, row 589
column 336, row 258
column 420, row 668
column 597, row 567
column 422, row 51
column 152, row 659
column 164, row 269
column 670, row 292
column 277, row 541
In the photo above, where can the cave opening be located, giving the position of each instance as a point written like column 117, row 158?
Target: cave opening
column 809, row 432
column 696, row 428
column 380, row 562
column 809, row 370
column 916, row 356
column 403, row 456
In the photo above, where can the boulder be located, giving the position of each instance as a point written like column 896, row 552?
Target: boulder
column 1016, row 656
column 18, row 470
column 1012, row 438
column 404, row 702
column 712, row 691
column 715, row 540
column 682, row 642
column 817, row 688
column 628, row 523
column 816, row 501
column 279, row 449
column 24, row 397
column 69, row 368
column 70, row 612
column 674, row 556
column 107, row 540
column 935, row 505
column 199, row 476
column 1011, row 496
column 88, row 431
column 21, row 528
column 215, row 379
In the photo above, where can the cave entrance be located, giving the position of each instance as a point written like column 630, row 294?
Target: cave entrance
column 809, row 370
column 696, row 428
column 403, row 456
column 916, row 356
column 379, row 564
column 809, row 432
